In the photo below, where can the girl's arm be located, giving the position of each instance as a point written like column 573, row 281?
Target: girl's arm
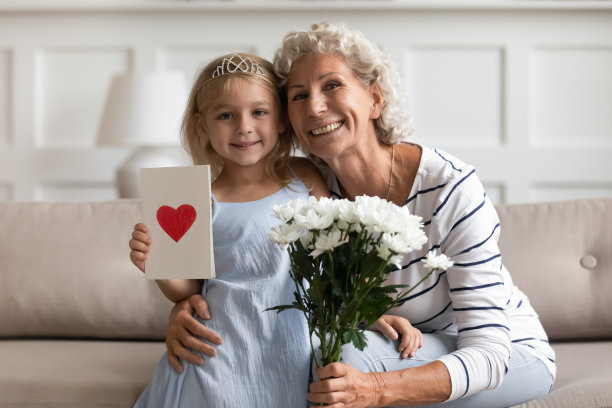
column 179, row 289
column 399, row 328
column 310, row 176
column 174, row 289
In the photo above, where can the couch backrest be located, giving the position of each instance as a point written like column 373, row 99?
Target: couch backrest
column 65, row 272
column 65, row 269
column 560, row 255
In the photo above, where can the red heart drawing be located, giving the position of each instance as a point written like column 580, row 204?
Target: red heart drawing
column 176, row 222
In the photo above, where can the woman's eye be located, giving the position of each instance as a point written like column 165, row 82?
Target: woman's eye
column 298, row 97
column 332, row 85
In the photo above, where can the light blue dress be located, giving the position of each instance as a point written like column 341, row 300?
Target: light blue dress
column 264, row 360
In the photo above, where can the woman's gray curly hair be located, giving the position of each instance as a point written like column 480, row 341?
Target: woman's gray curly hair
column 366, row 60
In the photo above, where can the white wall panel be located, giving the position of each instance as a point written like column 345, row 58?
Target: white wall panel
column 572, row 96
column 191, row 59
column 521, row 90
column 6, row 192
column 71, row 90
column 75, row 192
column 495, row 192
column 5, row 97
column 569, row 191
column 457, row 93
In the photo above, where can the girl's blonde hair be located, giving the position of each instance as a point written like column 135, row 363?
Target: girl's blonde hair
column 366, row 60
column 206, row 89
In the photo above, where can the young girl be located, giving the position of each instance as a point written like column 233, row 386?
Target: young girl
column 234, row 122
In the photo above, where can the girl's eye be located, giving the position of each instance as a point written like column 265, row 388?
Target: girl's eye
column 259, row 112
column 225, row 116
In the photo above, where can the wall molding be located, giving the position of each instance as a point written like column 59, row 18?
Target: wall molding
column 21, row 6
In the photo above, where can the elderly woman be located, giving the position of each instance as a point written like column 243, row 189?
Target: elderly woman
column 483, row 344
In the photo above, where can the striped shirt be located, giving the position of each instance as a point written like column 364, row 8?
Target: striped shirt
column 475, row 299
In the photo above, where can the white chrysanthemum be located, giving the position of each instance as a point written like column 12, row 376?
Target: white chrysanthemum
column 402, row 220
column 397, row 260
column 346, row 214
column 401, row 231
column 310, row 219
column 384, row 251
column 406, row 240
column 327, row 241
column 284, row 234
column 326, row 206
column 369, row 213
column 415, row 237
column 306, row 240
column 378, row 215
column 394, row 246
column 343, row 225
column 399, row 243
column 287, row 211
column 434, row 261
column 315, row 214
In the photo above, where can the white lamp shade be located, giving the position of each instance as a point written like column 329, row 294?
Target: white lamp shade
column 144, row 110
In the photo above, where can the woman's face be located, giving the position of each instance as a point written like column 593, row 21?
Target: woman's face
column 329, row 109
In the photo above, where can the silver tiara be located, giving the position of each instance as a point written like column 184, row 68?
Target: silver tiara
column 236, row 64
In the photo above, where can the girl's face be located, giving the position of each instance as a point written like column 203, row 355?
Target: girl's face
column 329, row 108
column 243, row 123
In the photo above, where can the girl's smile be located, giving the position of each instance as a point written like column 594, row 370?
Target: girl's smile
column 245, row 145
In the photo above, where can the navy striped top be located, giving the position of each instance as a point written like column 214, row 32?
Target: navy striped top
column 476, row 298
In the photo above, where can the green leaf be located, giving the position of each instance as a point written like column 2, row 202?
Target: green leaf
column 282, row 307
column 384, row 292
column 371, row 309
column 356, row 337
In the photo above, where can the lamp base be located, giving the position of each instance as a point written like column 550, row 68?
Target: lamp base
column 128, row 174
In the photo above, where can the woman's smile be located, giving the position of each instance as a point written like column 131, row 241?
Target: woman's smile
column 326, row 129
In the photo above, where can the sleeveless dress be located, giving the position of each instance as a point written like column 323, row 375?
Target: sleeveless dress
column 264, row 360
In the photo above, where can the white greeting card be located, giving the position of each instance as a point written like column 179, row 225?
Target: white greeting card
column 176, row 206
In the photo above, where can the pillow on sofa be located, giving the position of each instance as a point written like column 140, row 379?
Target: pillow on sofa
column 65, row 272
column 560, row 255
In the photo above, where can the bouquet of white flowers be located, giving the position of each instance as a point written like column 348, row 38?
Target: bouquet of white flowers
column 341, row 253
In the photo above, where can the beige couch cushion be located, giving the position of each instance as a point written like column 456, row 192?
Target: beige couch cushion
column 584, row 377
column 560, row 255
column 75, row 374
column 591, row 393
column 66, row 272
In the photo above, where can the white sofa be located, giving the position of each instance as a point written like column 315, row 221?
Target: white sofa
column 81, row 327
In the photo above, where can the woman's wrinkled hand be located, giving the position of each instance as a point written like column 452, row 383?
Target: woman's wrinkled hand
column 182, row 331
column 341, row 385
column 396, row 327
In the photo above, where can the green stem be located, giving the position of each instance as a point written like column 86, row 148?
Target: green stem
column 357, row 300
column 404, row 294
column 300, row 294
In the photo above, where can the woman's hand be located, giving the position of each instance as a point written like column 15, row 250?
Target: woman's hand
column 183, row 328
column 139, row 245
column 342, row 385
column 394, row 327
